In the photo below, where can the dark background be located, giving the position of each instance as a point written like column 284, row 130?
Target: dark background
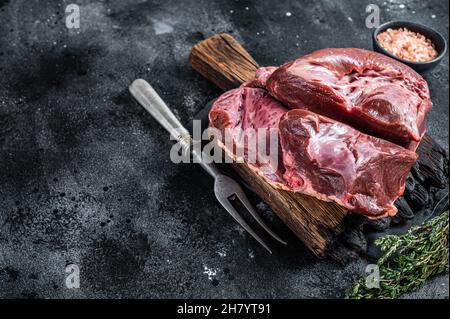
column 85, row 175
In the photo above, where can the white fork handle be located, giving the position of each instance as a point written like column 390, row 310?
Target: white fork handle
column 144, row 93
column 152, row 102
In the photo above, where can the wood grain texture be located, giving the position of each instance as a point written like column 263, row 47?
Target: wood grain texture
column 314, row 222
column 223, row 61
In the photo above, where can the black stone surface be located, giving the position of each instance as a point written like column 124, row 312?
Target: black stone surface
column 85, row 175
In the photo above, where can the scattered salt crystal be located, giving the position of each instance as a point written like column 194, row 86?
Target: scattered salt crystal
column 209, row 272
column 222, row 252
column 288, row 14
column 231, row 11
column 402, row 6
column 433, row 16
column 413, row 12
column 350, row 19
column 247, row 8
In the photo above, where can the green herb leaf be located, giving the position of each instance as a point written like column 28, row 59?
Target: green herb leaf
column 408, row 260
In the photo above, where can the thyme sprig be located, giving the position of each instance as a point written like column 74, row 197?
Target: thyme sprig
column 409, row 260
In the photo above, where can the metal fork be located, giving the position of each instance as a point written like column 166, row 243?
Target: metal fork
column 224, row 187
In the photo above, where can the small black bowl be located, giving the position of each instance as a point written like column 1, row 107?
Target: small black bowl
column 438, row 40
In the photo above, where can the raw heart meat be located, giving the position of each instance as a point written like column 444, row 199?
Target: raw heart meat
column 242, row 111
column 367, row 90
column 333, row 161
column 317, row 156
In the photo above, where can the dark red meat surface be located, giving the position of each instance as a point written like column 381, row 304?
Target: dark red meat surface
column 241, row 111
column 317, row 156
column 333, row 161
column 367, row 90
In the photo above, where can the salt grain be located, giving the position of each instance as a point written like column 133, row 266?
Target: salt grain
column 407, row 45
column 209, row 272
column 222, row 252
column 288, row 14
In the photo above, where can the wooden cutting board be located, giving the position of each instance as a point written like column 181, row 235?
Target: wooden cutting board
column 223, row 61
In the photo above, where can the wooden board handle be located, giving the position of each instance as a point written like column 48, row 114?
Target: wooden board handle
column 222, row 60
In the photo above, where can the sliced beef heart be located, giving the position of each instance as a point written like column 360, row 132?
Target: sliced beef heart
column 367, row 90
column 332, row 161
column 243, row 111
column 316, row 155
